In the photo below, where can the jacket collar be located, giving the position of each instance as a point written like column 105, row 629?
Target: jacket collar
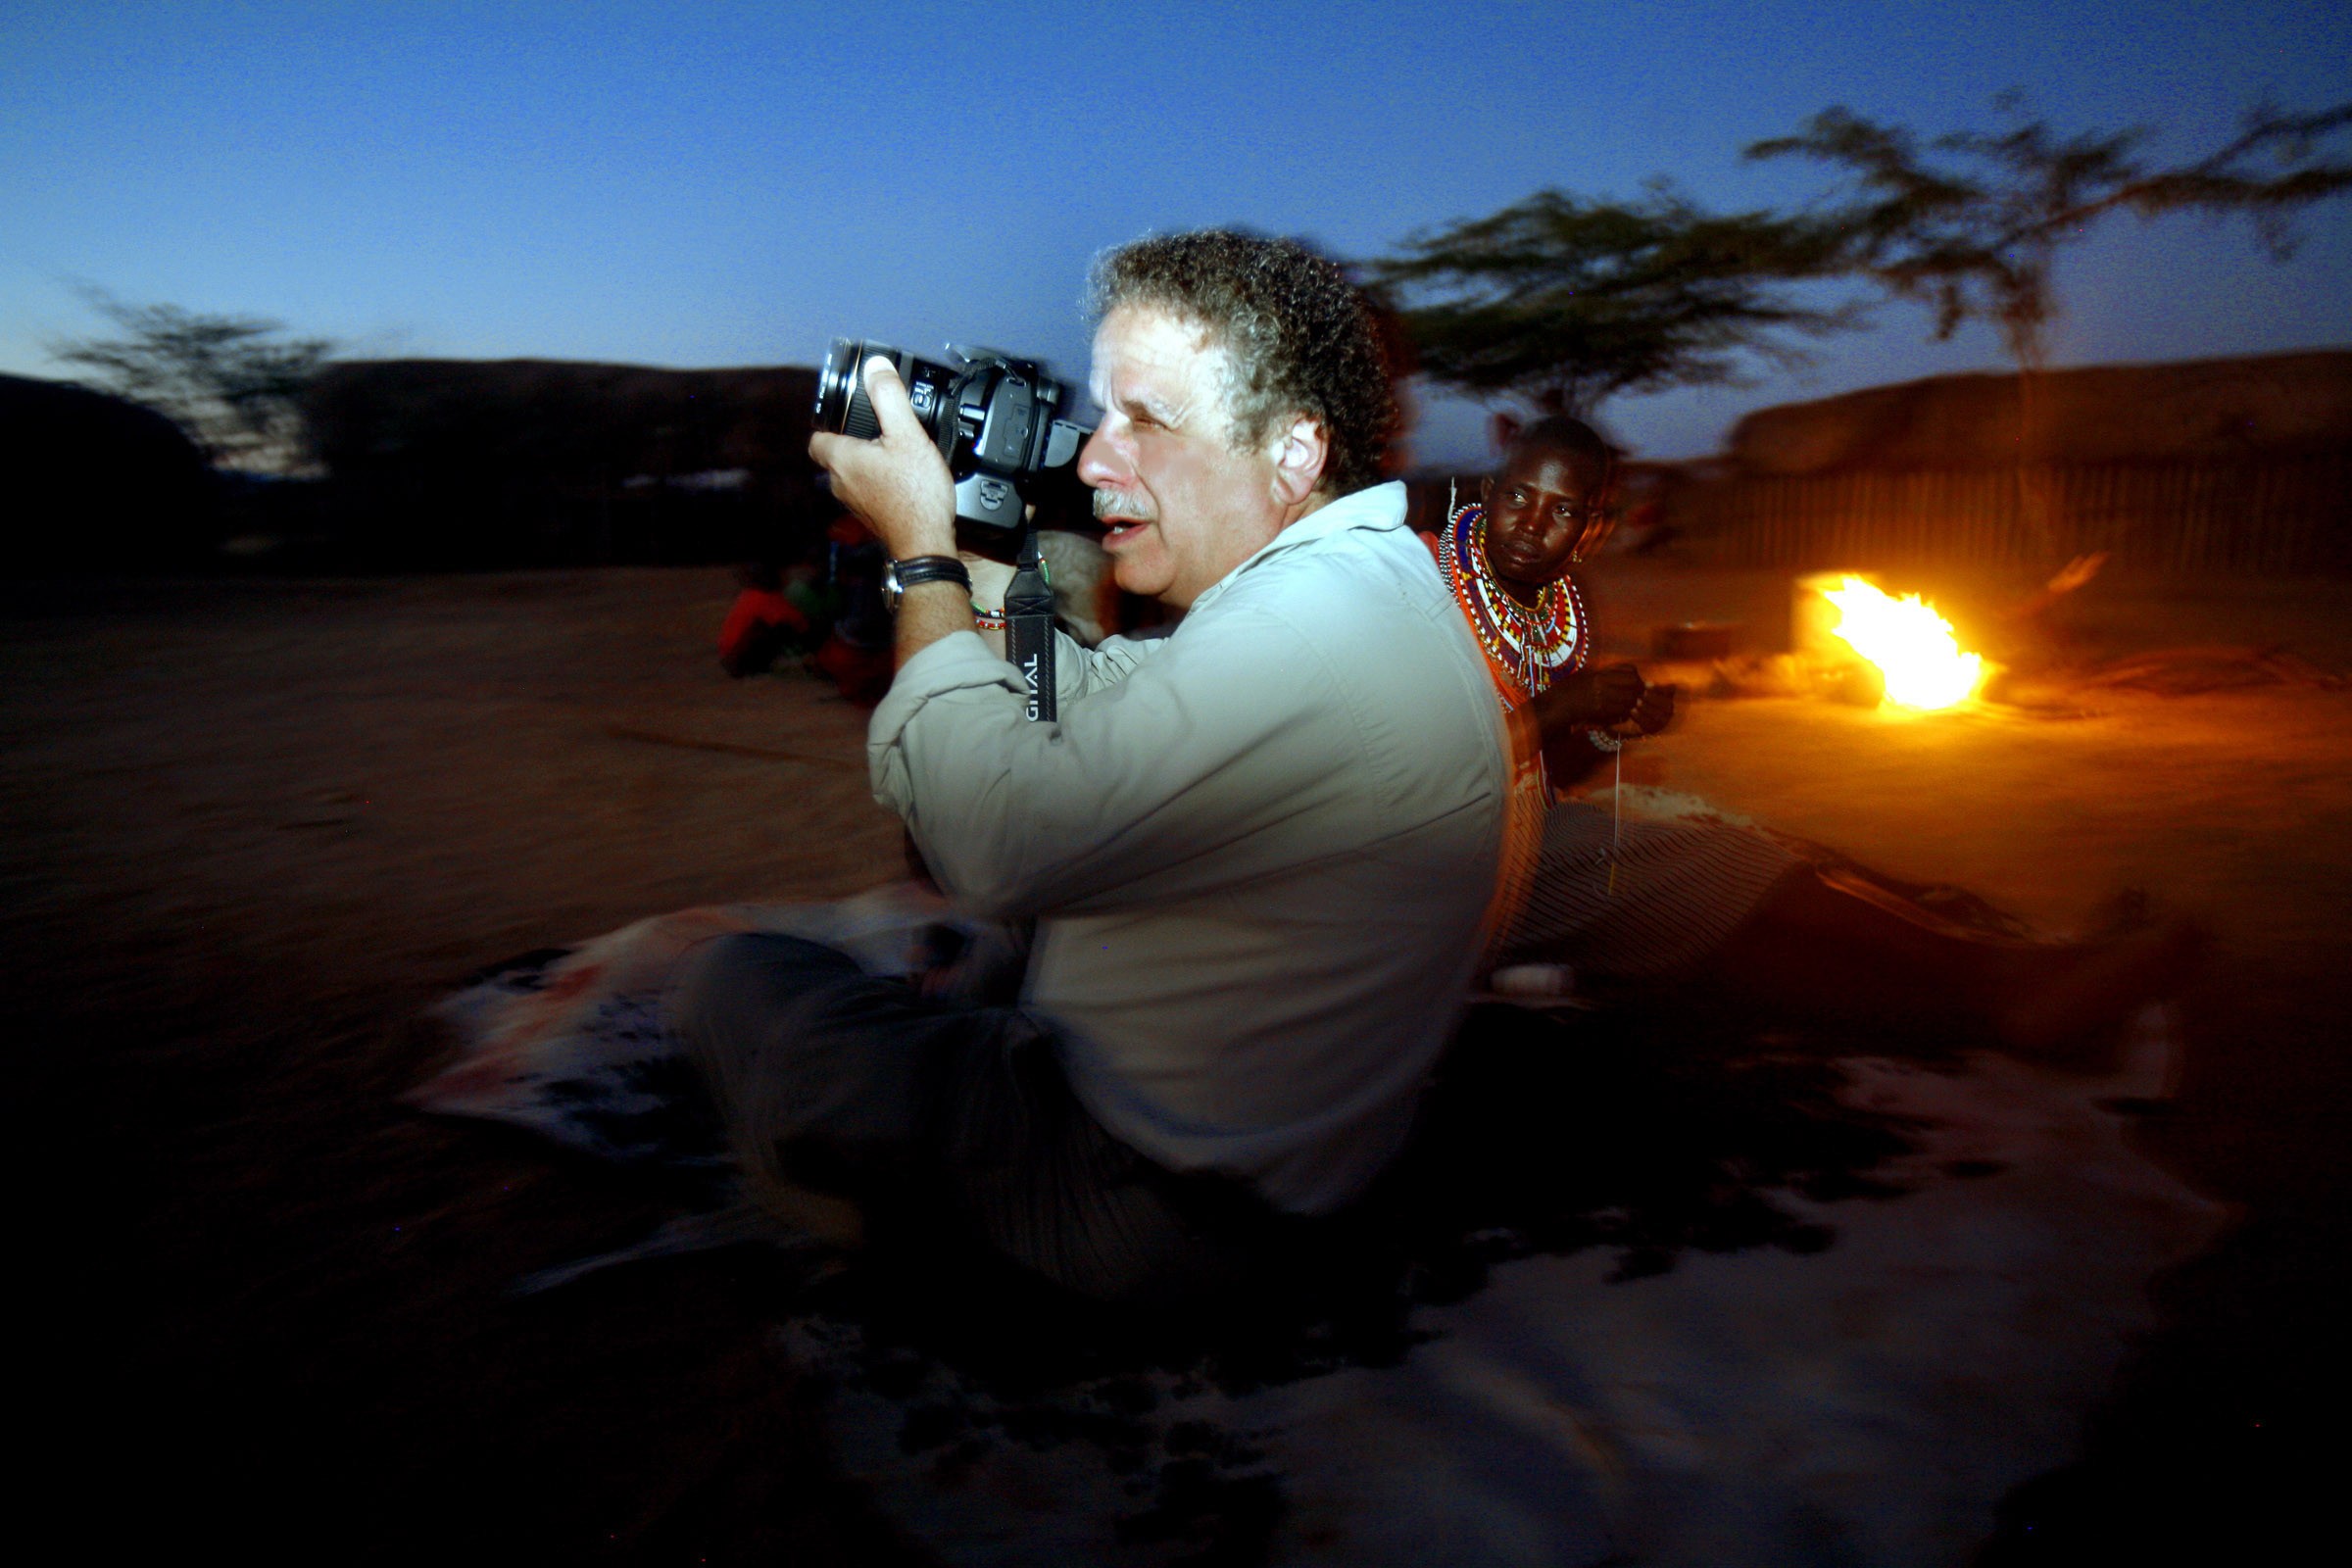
column 1376, row 508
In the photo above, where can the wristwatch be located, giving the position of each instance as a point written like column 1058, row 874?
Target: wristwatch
column 900, row 576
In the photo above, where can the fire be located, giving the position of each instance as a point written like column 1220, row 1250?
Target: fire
column 1913, row 646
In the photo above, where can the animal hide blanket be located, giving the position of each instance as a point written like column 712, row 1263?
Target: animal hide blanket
column 1649, row 1285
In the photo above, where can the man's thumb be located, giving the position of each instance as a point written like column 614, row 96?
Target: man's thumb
column 887, row 394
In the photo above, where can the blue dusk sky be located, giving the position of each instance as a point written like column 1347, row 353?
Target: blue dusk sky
column 708, row 184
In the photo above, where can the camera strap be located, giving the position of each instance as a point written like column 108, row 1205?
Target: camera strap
column 1029, row 627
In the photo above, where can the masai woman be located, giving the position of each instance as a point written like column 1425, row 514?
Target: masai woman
column 1619, row 900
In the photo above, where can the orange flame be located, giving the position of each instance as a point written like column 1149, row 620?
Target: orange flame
column 1913, row 646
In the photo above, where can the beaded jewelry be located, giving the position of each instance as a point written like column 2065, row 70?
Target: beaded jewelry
column 1533, row 644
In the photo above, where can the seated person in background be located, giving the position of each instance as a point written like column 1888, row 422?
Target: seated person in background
column 1257, row 850
column 1709, row 903
column 854, row 655
column 1505, row 557
column 768, row 621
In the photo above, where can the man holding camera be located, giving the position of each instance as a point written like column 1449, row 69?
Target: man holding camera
column 1257, row 850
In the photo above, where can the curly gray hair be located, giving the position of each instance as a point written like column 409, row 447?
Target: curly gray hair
column 1299, row 337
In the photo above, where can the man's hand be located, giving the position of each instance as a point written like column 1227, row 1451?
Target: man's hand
column 1592, row 699
column 897, row 485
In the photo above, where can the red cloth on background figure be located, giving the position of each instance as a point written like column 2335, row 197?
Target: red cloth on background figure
column 752, row 626
column 860, row 674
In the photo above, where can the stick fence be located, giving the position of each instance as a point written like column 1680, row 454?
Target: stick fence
column 2270, row 516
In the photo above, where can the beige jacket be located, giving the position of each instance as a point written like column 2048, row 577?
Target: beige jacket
column 1258, row 848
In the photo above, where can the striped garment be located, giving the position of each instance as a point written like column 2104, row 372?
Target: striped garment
column 1681, row 889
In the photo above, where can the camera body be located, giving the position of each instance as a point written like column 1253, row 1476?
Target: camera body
column 994, row 416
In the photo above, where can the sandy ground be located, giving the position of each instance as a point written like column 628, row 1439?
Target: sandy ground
column 253, row 827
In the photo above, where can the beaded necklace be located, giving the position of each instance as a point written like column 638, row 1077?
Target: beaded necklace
column 1532, row 645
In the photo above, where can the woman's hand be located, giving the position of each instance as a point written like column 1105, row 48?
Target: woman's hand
column 1655, row 711
column 1570, row 752
column 1592, row 699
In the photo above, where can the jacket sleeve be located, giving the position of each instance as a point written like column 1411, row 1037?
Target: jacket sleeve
column 1168, row 758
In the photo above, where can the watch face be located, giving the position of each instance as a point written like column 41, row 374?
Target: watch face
column 925, row 568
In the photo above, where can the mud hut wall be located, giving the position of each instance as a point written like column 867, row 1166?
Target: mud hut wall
column 2261, row 515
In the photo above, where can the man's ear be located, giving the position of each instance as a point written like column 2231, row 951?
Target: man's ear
column 1300, row 453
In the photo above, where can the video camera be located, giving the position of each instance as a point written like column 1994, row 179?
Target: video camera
column 993, row 420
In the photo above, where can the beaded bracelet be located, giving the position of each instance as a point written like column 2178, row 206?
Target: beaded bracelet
column 1603, row 741
column 988, row 620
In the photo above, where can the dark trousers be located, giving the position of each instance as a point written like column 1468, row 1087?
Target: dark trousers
column 832, row 1081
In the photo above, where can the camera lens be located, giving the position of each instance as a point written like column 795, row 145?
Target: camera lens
column 842, row 406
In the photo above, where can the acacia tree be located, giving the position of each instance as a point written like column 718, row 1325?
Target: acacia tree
column 1971, row 222
column 231, row 382
column 1566, row 301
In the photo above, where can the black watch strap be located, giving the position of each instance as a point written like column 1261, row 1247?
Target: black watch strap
column 901, row 576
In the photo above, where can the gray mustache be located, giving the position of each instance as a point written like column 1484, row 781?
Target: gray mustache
column 1110, row 504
